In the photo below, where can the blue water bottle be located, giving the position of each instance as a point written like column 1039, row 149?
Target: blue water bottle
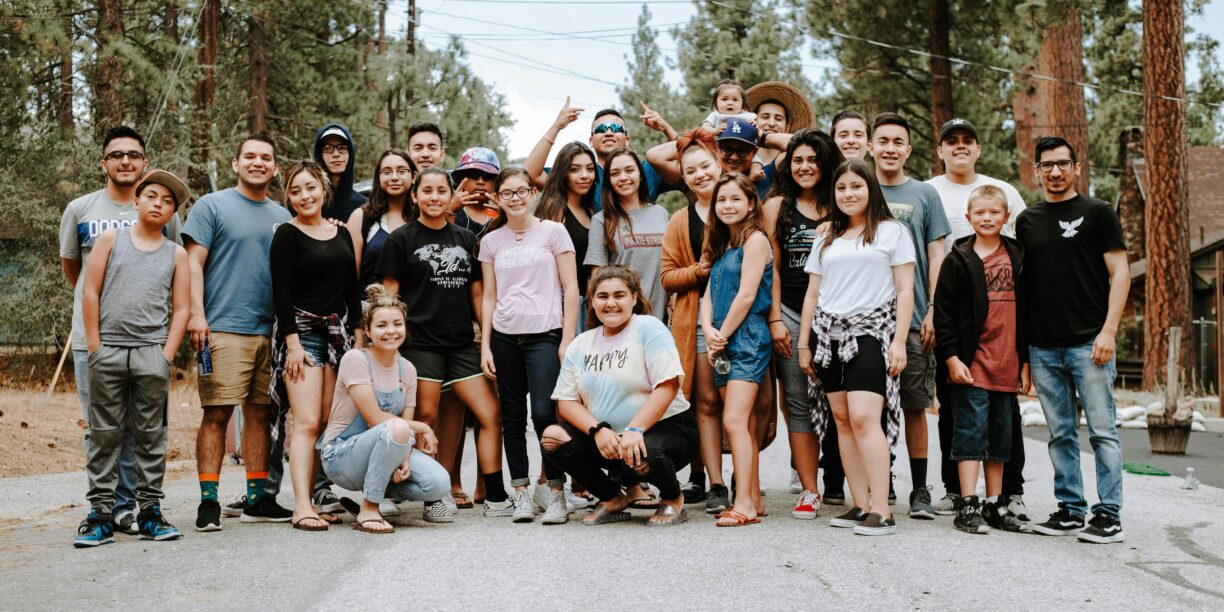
column 204, row 359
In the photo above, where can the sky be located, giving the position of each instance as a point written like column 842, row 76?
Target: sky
column 515, row 46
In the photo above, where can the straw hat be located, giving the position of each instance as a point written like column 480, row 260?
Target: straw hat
column 798, row 109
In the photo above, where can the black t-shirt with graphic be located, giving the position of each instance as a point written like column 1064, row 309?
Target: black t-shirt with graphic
column 796, row 245
column 1064, row 268
column 435, row 269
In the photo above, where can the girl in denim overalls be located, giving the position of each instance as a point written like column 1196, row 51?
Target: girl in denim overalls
column 371, row 443
column 733, row 317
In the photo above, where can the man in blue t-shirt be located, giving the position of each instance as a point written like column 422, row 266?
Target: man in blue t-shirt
column 608, row 133
column 228, row 235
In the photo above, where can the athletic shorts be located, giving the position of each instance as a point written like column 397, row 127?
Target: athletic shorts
column 242, row 368
column 918, row 377
column 446, row 367
column 866, row 372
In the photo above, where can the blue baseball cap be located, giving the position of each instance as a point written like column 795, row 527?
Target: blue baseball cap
column 738, row 129
column 479, row 159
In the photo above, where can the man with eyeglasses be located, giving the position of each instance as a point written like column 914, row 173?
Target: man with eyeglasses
column 334, row 150
column 959, row 150
column 737, row 149
column 85, row 218
column 1077, row 276
column 608, row 133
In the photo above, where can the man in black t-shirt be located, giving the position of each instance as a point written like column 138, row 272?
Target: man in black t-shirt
column 1076, row 272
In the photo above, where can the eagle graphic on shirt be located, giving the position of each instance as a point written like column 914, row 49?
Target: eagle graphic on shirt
column 1069, row 227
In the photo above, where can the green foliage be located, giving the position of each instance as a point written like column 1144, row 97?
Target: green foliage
column 648, row 84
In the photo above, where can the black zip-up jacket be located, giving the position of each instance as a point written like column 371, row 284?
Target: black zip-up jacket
column 961, row 304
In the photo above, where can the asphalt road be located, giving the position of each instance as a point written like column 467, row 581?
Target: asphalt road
column 1173, row 558
column 1204, row 452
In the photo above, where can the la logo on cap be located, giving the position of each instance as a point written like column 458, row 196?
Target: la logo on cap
column 735, row 128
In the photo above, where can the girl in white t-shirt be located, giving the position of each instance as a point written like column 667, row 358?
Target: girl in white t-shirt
column 861, row 283
column 619, row 404
column 530, row 312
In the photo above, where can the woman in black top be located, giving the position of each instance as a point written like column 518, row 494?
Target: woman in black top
column 314, row 288
column 568, row 197
column 803, row 196
column 390, row 206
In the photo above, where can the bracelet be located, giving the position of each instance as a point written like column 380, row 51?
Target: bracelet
column 291, row 348
column 548, row 140
column 804, row 347
column 598, row 426
column 637, row 429
column 775, row 321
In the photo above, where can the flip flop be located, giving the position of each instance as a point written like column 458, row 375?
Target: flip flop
column 650, row 502
column 674, row 517
column 731, row 518
column 298, row 524
column 361, row 526
column 462, row 500
column 603, row 516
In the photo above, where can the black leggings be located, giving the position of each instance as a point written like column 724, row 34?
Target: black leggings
column 670, row 445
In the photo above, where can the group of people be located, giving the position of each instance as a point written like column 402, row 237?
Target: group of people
column 367, row 335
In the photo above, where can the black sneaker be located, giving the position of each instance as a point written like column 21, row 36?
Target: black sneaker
column 969, row 516
column 834, row 497
column 892, row 493
column 920, row 505
column 125, row 522
column 97, row 529
column 208, row 516
column 1060, row 523
column 154, row 526
column 234, row 509
column 694, row 493
column 1102, row 529
column 719, row 499
column 999, row 516
column 266, row 510
column 875, row 525
column 850, row 518
column 326, row 501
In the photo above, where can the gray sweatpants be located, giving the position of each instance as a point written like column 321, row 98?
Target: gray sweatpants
column 127, row 385
column 365, row 462
column 794, row 381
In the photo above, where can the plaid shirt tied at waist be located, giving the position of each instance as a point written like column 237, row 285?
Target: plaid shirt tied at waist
column 338, row 343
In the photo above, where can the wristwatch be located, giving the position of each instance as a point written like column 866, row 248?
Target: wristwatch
column 598, row 426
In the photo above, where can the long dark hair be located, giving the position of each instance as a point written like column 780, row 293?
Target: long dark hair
column 554, row 198
column 377, row 206
column 632, row 281
column 877, row 206
column 613, row 212
column 828, row 157
column 718, row 234
column 502, row 177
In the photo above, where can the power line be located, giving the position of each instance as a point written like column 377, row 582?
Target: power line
column 571, row 2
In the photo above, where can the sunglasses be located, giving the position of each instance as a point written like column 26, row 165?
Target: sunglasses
column 118, row 155
column 615, row 128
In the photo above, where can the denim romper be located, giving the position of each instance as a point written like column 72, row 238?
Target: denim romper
column 389, row 401
column 750, row 347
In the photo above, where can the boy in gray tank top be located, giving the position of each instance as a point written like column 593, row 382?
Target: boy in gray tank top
column 135, row 301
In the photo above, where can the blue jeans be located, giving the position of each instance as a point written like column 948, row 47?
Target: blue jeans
column 526, row 364
column 125, row 490
column 366, row 461
column 1059, row 375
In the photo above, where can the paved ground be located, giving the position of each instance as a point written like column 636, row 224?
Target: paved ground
column 1173, row 559
column 1204, row 452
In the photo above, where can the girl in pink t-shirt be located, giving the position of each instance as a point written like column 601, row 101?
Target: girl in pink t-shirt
column 529, row 314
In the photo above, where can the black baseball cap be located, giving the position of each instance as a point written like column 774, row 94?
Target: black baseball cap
column 957, row 123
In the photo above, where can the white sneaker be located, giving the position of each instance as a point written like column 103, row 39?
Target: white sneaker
column 575, row 502
column 438, row 512
column 557, row 513
column 387, row 507
column 523, row 510
column 796, row 487
column 449, row 500
column 501, row 508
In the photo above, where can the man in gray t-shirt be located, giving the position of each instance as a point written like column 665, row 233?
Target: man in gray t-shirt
column 639, row 249
column 84, row 219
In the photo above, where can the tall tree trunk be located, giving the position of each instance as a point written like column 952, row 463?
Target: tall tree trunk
column 1062, row 101
column 170, row 17
column 941, row 71
column 257, row 52
column 63, row 112
column 410, row 98
column 172, row 30
column 1167, row 282
column 201, row 149
column 1026, row 111
column 380, row 117
column 108, row 109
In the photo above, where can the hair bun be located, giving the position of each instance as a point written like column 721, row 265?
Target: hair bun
column 374, row 292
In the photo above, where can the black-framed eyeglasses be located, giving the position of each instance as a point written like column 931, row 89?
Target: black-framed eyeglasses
column 328, row 149
column 118, row 155
column 520, row 194
column 1063, row 165
column 615, row 128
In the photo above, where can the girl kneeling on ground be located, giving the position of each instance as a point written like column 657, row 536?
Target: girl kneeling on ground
column 371, row 443
column 619, row 403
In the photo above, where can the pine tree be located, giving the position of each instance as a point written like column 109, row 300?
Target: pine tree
column 647, row 84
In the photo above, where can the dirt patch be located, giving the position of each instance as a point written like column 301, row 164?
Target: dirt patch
column 43, row 436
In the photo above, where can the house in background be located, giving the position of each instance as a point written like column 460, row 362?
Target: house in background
column 1205, row 201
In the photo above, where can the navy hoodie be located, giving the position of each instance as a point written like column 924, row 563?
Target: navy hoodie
column 344, row 200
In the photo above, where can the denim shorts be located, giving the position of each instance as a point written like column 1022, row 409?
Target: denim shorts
column 701, row 344
column 314, row 342
column 982, row 422
column 750, row 350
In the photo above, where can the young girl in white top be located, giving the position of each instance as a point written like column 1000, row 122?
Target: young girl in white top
column 530, row 312
column 861, row 283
